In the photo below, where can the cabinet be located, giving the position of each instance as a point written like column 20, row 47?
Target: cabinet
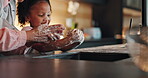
column 109, row 18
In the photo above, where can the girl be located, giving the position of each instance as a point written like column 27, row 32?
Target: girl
column 38, row 12
column 11, row 39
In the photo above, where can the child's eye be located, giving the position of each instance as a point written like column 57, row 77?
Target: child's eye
column 48, row 15
column 41, row 15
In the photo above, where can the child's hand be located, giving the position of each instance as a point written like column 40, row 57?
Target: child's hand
column 76, row 35
column 57, row 28
column 74, row 39
column 57, row 31
column 45, row 33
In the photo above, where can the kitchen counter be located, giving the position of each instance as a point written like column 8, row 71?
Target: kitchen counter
column 48, row 66
column 102, row 53
column 118, row 48
column 24, row 67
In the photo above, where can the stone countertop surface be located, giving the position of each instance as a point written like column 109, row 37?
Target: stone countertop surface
column 118, row 48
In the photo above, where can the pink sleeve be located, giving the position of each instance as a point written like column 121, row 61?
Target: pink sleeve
column 27, row 28
column 11, row 39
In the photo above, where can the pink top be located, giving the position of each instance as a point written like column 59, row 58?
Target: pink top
column 5, row 3
column 11, row 39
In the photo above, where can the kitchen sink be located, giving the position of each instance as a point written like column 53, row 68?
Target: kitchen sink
column 99, row 56
column 109, row 57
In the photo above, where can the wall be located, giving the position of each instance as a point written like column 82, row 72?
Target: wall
column 59, row 15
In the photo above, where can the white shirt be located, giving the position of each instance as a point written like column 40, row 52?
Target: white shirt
column 7, row 13
column 10, row 39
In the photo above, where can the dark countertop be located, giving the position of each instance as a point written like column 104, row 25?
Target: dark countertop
column 23, row 67
column 45, row 66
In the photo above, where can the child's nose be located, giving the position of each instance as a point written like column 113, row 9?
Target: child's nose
column 46, row 20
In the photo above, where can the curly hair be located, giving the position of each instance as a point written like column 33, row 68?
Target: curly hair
column 23, row 9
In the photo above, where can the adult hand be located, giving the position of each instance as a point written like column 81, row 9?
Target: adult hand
column 73, row 39
column 44, row 33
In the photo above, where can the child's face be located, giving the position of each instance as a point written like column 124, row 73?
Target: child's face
column 39, row 14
